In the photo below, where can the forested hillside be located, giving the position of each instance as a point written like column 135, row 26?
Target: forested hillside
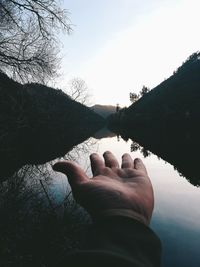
column 175, row 100
column 39, row 124
column 166, row 120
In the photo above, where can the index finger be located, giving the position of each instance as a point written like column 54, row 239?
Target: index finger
column 96, row 163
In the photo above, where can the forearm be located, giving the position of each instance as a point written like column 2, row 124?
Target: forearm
column 121, row 241
column 120, row 200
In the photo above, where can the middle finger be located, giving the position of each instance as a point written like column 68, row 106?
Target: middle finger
column 127, row 161
column 110, row 160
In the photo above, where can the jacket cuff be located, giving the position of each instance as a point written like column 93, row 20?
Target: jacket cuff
column 122, row 213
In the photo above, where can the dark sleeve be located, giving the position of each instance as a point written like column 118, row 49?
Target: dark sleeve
column 118, row 241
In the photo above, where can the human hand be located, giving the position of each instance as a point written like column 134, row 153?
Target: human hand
column 125, row 191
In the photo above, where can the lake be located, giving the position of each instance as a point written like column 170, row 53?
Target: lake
column 176, row 216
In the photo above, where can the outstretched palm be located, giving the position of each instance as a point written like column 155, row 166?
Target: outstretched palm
column 114, row 190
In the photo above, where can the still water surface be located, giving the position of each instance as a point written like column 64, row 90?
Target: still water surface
column 176, row 217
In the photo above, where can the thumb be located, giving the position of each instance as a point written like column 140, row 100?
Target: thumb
column 74, row 173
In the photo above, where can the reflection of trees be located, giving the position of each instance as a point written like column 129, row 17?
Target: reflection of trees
column 38, row 180
column 145, row 152
column 41, row 178
column 166, row 120
column 170, row 145
column 179, row 173
column 31, row 214
column 39, row 124
column 83, row 148
column 136, row 147
column 81, row 152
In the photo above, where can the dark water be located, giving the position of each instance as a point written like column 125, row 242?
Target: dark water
column 176, row 217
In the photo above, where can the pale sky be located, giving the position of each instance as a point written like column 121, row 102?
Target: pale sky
column 117, row 46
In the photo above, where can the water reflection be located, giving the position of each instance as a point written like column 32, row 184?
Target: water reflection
column 104, row 133
column 176, row 214
column 176, row 146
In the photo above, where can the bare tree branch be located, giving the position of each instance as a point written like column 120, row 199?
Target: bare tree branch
column 78, row 90
column 29, row 38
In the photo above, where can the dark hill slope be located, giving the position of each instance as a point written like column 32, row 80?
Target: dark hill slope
column 177, row 98
column 166, row 120
column 39, row 123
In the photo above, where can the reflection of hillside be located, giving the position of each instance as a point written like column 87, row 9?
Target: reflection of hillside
column 176, row 146
column 104, row 133
column 39, row 124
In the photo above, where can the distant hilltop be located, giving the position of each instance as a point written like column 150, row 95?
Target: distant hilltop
column 104, row 110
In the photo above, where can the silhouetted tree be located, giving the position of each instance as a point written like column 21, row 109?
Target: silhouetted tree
column 144, row 91
column 78, row 90
column 190, row 62
column 166, row 120
column 133, row 97
column 117, row 108
column 28, row 38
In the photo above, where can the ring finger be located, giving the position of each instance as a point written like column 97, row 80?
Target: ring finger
column 127, row 161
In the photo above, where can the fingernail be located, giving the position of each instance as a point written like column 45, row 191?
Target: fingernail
column 137, row 159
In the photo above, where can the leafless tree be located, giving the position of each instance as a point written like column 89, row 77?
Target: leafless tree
column 29, row 38
column 78, row 90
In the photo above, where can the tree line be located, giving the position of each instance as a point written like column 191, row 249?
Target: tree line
column 134, row 97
